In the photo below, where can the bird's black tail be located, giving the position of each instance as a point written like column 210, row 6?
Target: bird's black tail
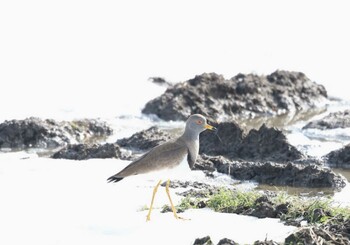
column 114, row 179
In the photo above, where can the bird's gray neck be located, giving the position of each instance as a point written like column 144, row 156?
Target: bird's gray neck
column 189, row 136
column 192, row 142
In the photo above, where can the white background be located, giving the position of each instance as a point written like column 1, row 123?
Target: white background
column 84, row 55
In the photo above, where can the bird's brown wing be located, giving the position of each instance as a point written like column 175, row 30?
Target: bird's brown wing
column 164, row 156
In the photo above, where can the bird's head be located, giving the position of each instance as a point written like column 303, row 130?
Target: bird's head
column 197, row 123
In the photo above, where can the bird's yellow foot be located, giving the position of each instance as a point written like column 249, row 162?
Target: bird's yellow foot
column 171, row 202
column 148, row 218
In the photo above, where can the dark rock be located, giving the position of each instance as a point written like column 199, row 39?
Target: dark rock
column 264, row 208
column 271, row 173
column 226, row 141
column 339, row 119
column 159, row 81
column 200, row 193
column 84, row 152
column 339, row 158
column 340, row 226
column 201, row 204
column 281, row 209
column 243, row 95
column 203, row 241
column 226, row 241
column 177, row 184
column 37, row 133
column 167, row 209
column 315, row 235
column 186, row 184
column 145, row 140
column 128, row 155
column 267, row 144
column 206, row 166
column 317, row 215
column 308, row 160
column 198, row 189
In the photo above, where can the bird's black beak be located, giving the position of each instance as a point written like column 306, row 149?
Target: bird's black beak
column 207, row 126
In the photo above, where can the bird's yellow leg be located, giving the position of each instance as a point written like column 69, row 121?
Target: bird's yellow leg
column 154, row 194
column 171, row 202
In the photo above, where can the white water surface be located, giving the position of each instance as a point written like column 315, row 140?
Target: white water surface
column 47, row 201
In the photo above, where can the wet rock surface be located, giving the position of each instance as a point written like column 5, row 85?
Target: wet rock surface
column 195, row 189
column 339, row 158
column 245, row 95
column 207, row 241
column 323, row 234
column 145, row 140
column 226, row 241
column 203, row 241
column 267, row 144
column 271, row 173
column 226, row 141
column 339, row 119
column 88, row 151
column 185, row 184
column 264, row 208
column 37, row 133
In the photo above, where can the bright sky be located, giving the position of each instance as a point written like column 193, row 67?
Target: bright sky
column 73, row 51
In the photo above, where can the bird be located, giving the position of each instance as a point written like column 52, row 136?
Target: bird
column 168, row 156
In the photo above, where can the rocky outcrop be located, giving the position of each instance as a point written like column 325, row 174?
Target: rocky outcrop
column 137, row 143
column 87, row 151
column 264, row 208
column 247, row 95
column 324, row 234
column 145, row 140
column 38, row 133
column 339, row 158
column 207, row 241
column 160, row 81
column 203, row 241
column 226, row 141
column 287, row 174
column 339, row 119
column 267, row 144
column 264, row 144
column 225, row 241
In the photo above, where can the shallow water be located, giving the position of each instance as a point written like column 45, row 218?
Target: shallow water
column 48, row 201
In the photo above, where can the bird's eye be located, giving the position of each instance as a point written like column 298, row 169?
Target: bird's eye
column 199, row 122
